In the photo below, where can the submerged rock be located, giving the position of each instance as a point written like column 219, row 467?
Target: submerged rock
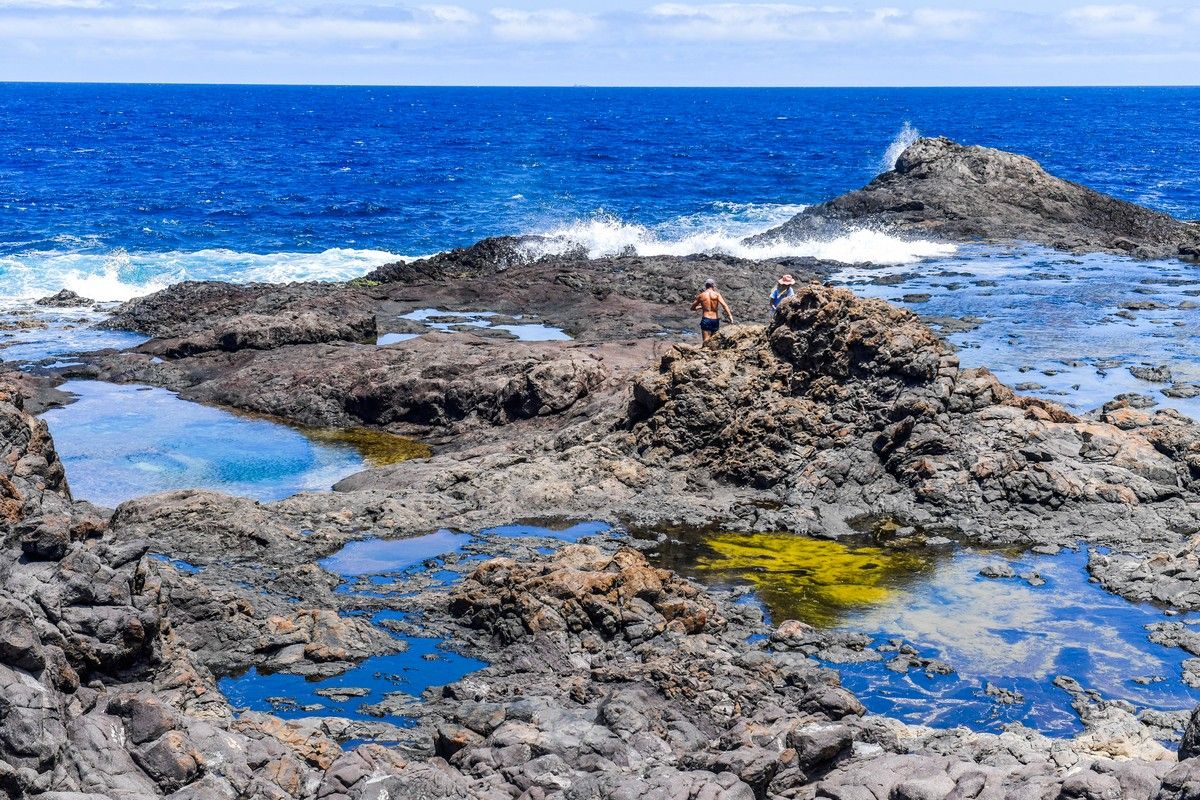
column 64, row 299
column 970, row 193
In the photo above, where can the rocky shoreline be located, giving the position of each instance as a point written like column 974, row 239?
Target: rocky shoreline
column 608, row 677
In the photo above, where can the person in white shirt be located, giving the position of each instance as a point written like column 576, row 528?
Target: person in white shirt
column 782, row 291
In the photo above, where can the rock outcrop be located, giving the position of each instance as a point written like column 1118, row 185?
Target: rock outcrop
column 64, row 299
column 436, row 381
column 203, row 316
column 856, row 407
column 970, row 193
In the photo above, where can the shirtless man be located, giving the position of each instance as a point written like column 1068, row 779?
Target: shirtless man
column 710, row 302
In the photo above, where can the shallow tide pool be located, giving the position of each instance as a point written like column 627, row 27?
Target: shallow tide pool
column 437, row 319
column 424, row 662
column 122, row 441
column 47, row 334
column 1056, row 325
column 1015, row 633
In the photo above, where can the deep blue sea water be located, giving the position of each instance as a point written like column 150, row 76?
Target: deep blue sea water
column 143, row 185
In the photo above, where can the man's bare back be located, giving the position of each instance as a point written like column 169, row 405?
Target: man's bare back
column 710, row 303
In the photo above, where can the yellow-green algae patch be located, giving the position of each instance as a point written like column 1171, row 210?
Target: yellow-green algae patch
column 817, row 581
column 378, row 448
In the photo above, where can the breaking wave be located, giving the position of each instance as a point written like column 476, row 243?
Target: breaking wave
column 120, row 275
column 725, row 234
column 719, row 229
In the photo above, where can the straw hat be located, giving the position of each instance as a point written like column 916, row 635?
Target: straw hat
column 787, row 280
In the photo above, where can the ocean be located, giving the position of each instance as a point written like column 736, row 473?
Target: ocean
column 116, row 190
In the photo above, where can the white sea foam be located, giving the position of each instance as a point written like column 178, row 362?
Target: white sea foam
column 907, row 135
column 120, row 275
column 720, row 229
column 725, row 233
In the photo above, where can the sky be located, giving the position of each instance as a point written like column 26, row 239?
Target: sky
column 616, row 43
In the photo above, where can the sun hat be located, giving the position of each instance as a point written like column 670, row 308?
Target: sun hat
column 787, row 280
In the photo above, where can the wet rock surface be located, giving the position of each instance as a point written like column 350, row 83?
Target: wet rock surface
column 942, row 188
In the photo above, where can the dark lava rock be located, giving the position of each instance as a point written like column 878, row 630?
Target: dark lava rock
column 942, row 188
column 1134, row 400
column 1159, row 374
column 64, row 299
column 203, row 316
column 1184, row 391
column 1143, row 305
column 1189, row 745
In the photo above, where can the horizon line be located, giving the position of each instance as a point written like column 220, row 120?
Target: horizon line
column 301, row 85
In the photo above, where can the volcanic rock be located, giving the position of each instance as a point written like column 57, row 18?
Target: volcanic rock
column 971, row 193
column 202, row 316
column 64, row 299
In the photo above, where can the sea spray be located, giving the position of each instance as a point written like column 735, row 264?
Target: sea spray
column 605, row 236
column 121, row 275
column 907, row 135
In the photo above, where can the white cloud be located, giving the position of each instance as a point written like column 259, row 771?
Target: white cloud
column 238, row 27
column 34, row 5
column 1115, row 20
column 547, row 25
column 784, row 21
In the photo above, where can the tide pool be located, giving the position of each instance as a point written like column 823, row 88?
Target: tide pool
column 1017, row 633
column 39, row 334
column 122, row 441
column 369, row 689
column 1056, row 325
column 436, row 319
column 377, row 556
column 423, row 663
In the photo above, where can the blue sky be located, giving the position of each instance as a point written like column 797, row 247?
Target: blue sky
column 601, row 43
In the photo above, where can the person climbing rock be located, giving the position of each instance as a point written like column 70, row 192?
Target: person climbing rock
column 710, row 302
column 782, row 291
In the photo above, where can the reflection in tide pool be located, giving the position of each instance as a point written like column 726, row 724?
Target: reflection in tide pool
column 381, row 556
column 1061, row 326
column 120, row 442
column 422, row 664
column 1015, row 634
column 395, row 556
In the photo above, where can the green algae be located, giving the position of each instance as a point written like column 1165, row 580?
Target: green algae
column 378, row 448
column 818, row 581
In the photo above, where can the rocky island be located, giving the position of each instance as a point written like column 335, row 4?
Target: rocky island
column 604, row 674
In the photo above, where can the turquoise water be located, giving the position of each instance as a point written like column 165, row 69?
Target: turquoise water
column 122, row 441
column 59, row 332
